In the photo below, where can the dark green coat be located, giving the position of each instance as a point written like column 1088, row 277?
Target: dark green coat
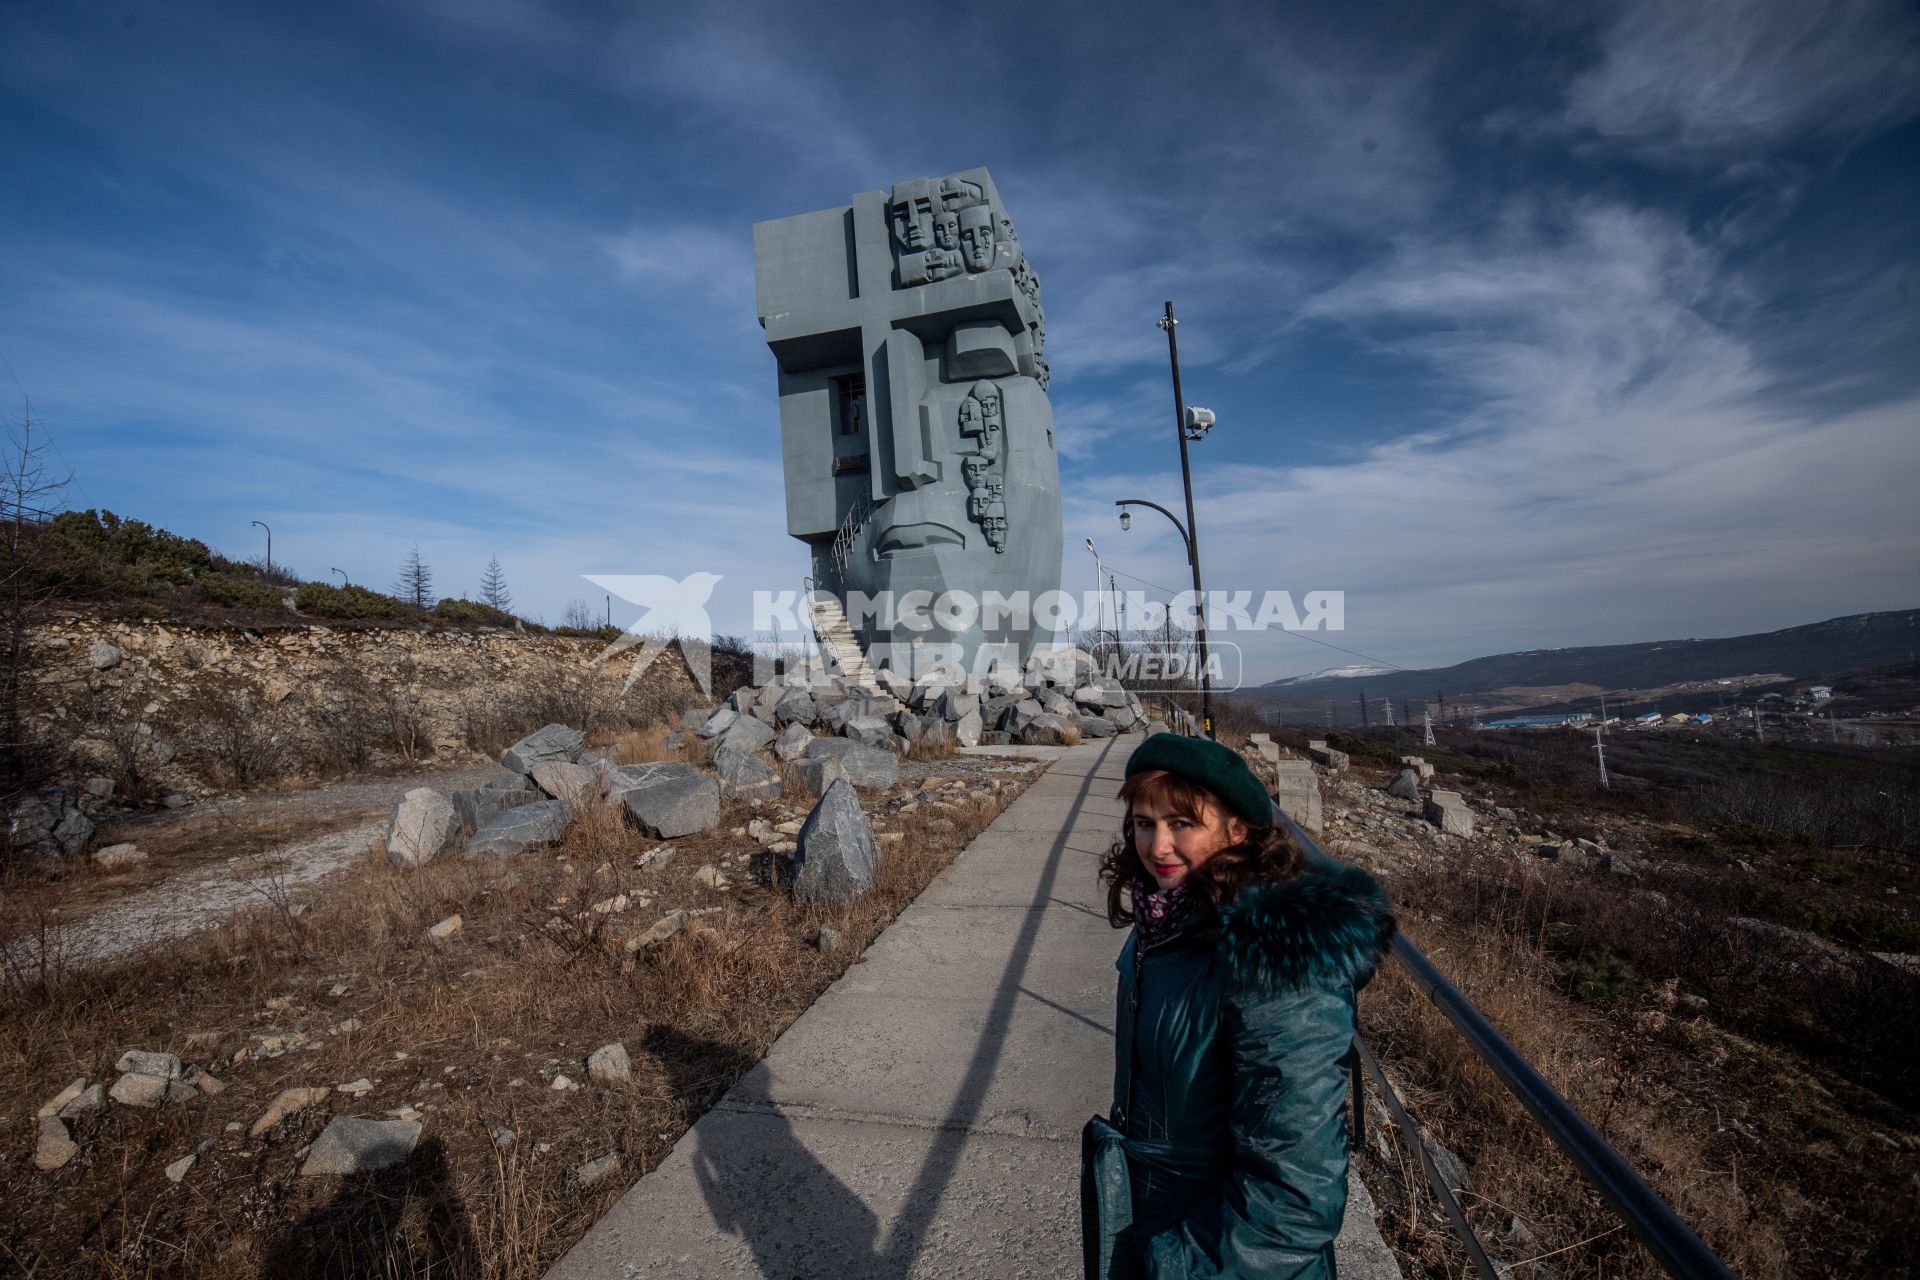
column 1226, row 1152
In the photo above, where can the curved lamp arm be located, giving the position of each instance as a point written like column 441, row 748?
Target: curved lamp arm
column 1142, row 502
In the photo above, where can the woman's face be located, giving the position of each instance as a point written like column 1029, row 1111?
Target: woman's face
column 1170, row 845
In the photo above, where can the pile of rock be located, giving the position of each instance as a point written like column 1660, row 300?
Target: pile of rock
column 548, row 779
column 147, row 1079
column 1057, row 700
column 51, row 822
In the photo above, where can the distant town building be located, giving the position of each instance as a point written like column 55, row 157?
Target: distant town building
column 1651, row 717
column 1820, row 692
column 1550, row 721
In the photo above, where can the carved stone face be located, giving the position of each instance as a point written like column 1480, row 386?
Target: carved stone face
column 913, row 223
column 974, row 468
column 988, row 394
column 946, row 231
column 976, row 237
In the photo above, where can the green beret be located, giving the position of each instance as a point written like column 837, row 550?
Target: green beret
column 1219, row 769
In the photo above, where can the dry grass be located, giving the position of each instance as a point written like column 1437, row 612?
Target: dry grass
column 651, row 744
column 1769, row 1159
column 470, row 1033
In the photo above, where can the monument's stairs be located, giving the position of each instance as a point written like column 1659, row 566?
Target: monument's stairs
column 837, row 642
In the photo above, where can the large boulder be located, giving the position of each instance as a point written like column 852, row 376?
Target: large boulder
column 675, row 806
column 747, row 734
column 554, row 742
column 577, row 784
column 967, row 729
column 1057, row 704
column 1096, row 727
column 815, row 774
column 1021, row 714
column 520, row 830
column 477, row 806
column 865, row 767
column 956, row 704
column 1405, row 785
column 48, row 821
column 350, row 1144
column 928, row 732
column 796, row 706
column 1046, row 730
column 870, row 731
column 743, row 776
column 792, row 742
column 648, row 772
column 719, row 722
column 837, row 859
column 1448, row 811
column 423, row 826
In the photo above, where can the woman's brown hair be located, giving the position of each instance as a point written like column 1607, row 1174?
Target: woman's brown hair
column 1268, row 853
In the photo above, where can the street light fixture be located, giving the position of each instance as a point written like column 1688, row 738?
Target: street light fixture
column 263, row 525
column 343, row 576
column 1126, row 521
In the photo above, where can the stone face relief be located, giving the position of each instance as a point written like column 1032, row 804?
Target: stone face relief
column 934, row 311
column 976, row 238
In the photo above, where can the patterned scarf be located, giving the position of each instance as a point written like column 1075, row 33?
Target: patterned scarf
column 1157, row 913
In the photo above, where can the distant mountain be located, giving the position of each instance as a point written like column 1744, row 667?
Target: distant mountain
column 1822, row 650
column 1331, row 673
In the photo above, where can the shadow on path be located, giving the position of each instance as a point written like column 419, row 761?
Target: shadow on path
column 404, row 1220
column 760, row 1181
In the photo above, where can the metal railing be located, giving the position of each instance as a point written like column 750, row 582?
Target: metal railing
column 1673, row 1244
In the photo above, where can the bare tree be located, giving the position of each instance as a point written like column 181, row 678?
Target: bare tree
column 493, row 587
column 415, row 583
column 29, row 492
column 579, row 616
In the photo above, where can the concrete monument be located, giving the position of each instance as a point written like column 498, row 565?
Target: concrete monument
column 915, row 430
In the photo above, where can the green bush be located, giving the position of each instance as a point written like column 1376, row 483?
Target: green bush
column 471, row 613
column 238, row 593
column 323, row 600
column 1600, row 977
column 100, row 549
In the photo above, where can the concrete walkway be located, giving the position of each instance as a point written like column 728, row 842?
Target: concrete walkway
column 922, row 1119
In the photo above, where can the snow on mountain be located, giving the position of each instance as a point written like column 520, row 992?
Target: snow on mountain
column 1356, row 669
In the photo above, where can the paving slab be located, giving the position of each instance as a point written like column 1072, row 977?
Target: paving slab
column 922, row 1118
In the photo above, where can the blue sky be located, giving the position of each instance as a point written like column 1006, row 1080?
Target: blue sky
column 1527, row 324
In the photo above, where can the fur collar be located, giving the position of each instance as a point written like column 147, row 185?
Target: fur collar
column 1330, row 923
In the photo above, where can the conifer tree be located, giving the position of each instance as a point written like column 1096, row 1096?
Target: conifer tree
column 493, row 587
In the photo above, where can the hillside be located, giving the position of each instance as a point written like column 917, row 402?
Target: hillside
column 1822, row 650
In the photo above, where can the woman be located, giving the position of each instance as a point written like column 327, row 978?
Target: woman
column 1226, row 1152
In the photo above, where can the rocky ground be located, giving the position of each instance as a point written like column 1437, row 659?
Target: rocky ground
column 1744, row 1067
column 493, row 1043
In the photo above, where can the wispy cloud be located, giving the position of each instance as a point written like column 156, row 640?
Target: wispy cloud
column 1723, row 79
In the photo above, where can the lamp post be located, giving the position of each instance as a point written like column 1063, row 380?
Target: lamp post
column 343, row 576
column 1206, row 679
column 263, row 525
column 1191, row 424
column 1100, row 618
